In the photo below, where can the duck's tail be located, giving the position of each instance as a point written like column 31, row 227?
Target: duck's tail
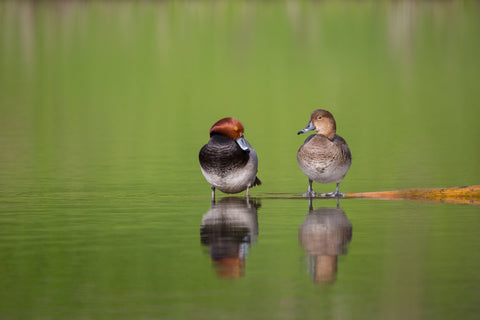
column 257, row 182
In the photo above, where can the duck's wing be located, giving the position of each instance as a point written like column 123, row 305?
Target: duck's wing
column 343, row 146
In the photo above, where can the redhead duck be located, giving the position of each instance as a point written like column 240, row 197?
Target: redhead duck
column 323, row 157
column 228, row 161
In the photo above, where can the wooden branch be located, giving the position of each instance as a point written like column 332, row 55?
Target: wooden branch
column 465, row 195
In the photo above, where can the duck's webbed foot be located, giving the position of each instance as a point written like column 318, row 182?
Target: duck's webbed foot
column 309, row 194
column 334, row 194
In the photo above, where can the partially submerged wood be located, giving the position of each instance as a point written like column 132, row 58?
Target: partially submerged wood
column 465, row 195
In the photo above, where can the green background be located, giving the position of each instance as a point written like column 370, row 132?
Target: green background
column 105, row 105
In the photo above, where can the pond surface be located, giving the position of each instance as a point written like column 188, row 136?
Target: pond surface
column 104, row 213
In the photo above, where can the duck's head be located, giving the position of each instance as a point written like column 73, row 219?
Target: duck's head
column 231, row 128
column 322, row 122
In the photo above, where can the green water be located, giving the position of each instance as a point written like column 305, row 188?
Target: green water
column 105, row 105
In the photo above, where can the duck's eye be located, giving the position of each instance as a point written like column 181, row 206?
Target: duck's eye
column 319, row 118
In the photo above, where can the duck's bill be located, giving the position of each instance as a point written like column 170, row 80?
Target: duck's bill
column 309, row 127
column 242, row 143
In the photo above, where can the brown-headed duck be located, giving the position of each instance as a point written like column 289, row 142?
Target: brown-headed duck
column 324, row 157
column 228, row 161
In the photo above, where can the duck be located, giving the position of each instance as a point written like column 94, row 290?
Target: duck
column 324, row 157
column 228, row 162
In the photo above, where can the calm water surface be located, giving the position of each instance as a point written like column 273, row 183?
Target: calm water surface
column 104, row 213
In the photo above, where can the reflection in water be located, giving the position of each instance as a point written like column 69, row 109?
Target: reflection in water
column 228, row 228
column 324, row 234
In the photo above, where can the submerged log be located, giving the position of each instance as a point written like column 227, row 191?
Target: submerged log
column 465, row 195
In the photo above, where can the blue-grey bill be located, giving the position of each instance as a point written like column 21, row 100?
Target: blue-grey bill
column 242, row 143
column 309, row 127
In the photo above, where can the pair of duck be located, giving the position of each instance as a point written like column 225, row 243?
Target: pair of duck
column 229, row 163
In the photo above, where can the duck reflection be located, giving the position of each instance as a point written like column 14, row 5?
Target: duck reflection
column 325, row 234
column 228, row 228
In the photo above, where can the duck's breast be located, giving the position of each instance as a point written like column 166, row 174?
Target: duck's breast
column 323, row 160
column 226, row 166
